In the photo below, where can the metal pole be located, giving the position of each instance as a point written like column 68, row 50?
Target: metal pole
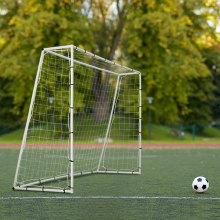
column 109, row 122
column 150, row 100
column 29, row 116
column 140, row 125
column 71, row 120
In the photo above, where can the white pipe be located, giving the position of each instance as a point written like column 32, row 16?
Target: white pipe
column 119, row 172
column 71, row 119
column 88, row 53
column 109, row 123
column 58, row 47
column 43, row 189
column 81, row 63
column 140, row 126
column 29, row 116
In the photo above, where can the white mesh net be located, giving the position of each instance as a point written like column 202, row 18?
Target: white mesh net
column 106, row 121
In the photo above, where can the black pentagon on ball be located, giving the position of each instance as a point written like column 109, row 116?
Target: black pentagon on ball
column 207, row 181
column 203, row 186
column 199, row 179
column 195, row 187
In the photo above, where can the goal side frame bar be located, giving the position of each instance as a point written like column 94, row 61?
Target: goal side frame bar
column 71, row 159
column 29, row 116
column 140, row 124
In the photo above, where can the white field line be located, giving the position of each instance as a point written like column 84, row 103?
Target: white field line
column 108, row 197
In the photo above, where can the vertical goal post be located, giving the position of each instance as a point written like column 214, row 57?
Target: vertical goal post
column 84, row 118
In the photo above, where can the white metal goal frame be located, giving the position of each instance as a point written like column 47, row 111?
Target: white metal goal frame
column 38, row 184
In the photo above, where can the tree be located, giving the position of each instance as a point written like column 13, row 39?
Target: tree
column 165, row 40
column 24, row 30
column 212, row 60
column 108, row 18
column 158, row 43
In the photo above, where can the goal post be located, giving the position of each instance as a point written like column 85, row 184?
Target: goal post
column 84, row 118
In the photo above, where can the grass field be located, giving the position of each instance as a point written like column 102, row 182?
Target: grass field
column 162, row 191
column 159, row 134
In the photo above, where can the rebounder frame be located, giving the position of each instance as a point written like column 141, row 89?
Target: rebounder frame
column 71, row 175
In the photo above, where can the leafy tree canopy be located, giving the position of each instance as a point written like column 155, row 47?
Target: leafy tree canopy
column 171, row 42
column 164, row 41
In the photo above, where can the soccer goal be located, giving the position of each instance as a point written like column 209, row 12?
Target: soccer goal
column 84, row 118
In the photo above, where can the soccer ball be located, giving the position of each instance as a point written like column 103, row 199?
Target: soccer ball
column 200, row 184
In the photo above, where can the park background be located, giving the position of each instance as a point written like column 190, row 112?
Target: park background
column 174, row 44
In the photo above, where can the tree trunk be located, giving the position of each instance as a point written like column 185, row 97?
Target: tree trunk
column 100, row 84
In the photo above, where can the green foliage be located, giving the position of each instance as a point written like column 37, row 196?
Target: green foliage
column 27, row 31
column 211, row 132
column 157, row 42
column 170, row 42
column 212, row 60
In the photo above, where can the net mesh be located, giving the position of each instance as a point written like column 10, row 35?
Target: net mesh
column 122, row 154
column 105, row 120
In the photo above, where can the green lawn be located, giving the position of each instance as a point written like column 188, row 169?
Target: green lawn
column 166, row 133
column 162, row 191
column 160, row 134
column 12, row 137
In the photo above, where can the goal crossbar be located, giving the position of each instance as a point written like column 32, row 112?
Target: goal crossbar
column 88, row 53
column 89, row 65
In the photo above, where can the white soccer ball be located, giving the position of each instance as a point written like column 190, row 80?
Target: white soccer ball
column 200, row 184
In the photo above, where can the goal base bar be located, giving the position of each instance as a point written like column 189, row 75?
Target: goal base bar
column 29, row 186
column 119, row 172
column 42, row 189
column 106, row 172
